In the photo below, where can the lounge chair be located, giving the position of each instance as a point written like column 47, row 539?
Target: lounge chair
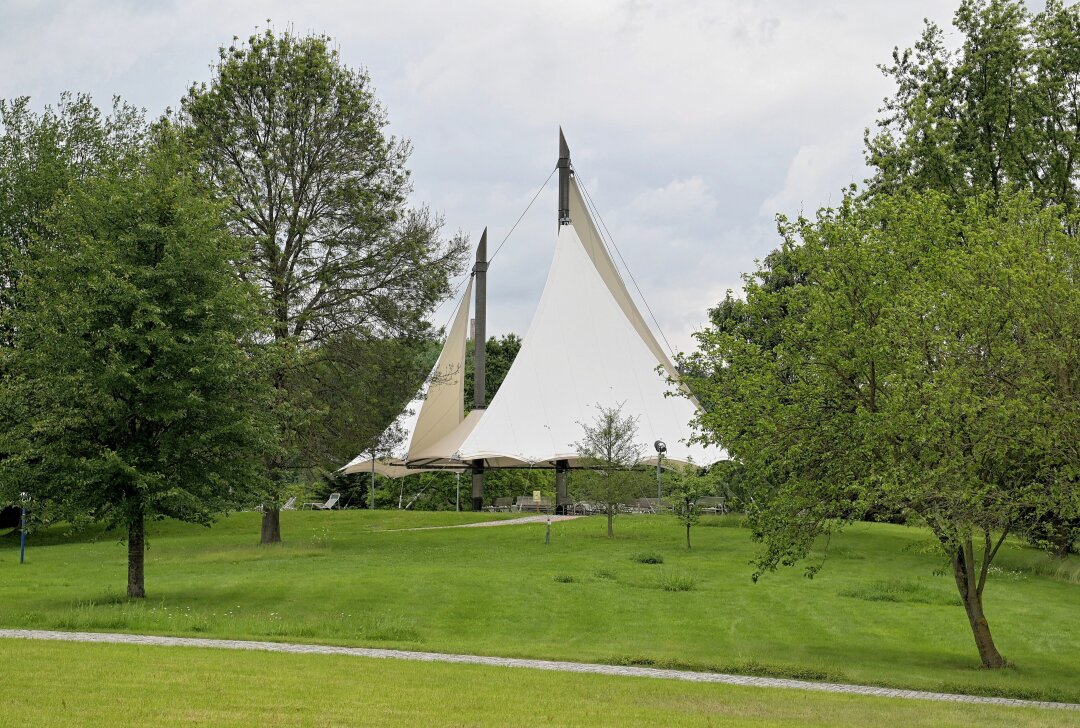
column 712, row 504
column 658, row 506
column 328, row 505
column 289, row 505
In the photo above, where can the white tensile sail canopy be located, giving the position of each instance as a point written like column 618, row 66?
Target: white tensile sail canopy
column 437, row 408
column 587, row 347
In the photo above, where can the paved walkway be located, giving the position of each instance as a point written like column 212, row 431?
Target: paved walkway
column 581, row 667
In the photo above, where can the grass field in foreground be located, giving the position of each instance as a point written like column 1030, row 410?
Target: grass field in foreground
column 51, row 684
column 876, row 614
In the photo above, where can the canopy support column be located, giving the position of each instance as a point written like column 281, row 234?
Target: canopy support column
column 562, row 496
column 562, row 467
column 478, row 485
column 564, row 180
column 480, row 360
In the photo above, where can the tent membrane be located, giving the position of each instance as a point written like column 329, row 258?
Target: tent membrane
column 587, row 348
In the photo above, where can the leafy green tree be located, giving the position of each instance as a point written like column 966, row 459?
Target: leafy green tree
column 140, row 395
column 41, row 156
column 928, row 364
column 297, row 144
column 1003, row 110
column 610, row 455
column 998, row 113
column 686, row 485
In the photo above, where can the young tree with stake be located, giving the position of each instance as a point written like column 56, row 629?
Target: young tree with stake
column 610, row 454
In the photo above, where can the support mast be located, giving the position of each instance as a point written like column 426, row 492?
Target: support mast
column 562, row 467
column 564, row 180
column 479, row 360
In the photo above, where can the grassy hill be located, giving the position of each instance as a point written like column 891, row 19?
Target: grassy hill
column 876, row 614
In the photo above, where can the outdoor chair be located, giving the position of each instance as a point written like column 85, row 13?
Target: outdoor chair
column 712, row 504
column 328, row 505
column 289, row 505
column 658, row 506
column 584, row 508
column 501, row 505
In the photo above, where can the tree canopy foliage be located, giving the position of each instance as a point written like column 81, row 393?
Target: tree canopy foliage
column 500, row 354
column 915, row 350
column 134, row 392
column 999, row 112
column 317, row 190
column 41, row 156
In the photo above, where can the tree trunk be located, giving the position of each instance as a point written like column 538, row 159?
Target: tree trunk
column 966, row 579
column 688, row 537
column 136, row 588
column 271, row 526
column 610, row 521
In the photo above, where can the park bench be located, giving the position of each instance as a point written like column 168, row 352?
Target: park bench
column 502, row 505
column 526, row 504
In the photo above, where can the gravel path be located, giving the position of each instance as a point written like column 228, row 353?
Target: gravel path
column 581, row 667
column 483, row 524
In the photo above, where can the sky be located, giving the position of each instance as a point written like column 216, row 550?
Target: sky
column 691, row 123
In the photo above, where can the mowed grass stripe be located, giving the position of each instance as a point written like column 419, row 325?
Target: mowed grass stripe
column 124, row 685
column 878, row 614
column 510, row 662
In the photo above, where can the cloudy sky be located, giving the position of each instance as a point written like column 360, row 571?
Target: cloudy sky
column 690, row 122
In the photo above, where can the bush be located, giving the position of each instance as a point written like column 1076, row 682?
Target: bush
column 648, row 558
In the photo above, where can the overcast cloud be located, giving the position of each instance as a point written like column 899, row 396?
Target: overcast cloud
column 691, row 123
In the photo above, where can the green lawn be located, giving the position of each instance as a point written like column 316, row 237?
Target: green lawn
column 876, row 614
column 121, row 685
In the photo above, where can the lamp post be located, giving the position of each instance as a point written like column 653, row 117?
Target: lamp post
column 23, row 499
column 661, row 448
column 371, row 495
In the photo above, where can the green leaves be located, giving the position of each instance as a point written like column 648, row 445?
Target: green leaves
column 135, row 356
column 296, row 143
column 1000, row 111
column 927, row 365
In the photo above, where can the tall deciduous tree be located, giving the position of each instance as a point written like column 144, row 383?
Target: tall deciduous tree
column 1002, row 110
column 135, row 352
column 41, row 156
column 297, row 143
column 927, row 363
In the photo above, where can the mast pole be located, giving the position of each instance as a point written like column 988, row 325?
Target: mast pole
column 564, row 180
column 480, row 360
column 562, row 467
